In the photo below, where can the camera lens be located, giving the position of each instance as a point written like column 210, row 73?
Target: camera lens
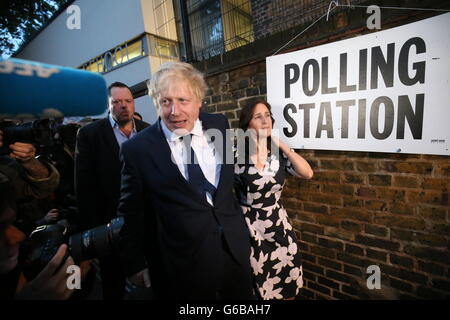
column 95, row 242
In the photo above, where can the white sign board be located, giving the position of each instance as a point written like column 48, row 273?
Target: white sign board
column 387, row 91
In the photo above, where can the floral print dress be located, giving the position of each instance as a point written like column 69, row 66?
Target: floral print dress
column 275, row 256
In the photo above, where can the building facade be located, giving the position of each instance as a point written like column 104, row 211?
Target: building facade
column 123, row 40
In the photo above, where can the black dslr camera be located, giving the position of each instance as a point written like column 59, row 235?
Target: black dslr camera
column 45, row 240
column 43, row 133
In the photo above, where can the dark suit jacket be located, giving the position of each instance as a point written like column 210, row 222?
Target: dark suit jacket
column 160, row 207
column 97, row 172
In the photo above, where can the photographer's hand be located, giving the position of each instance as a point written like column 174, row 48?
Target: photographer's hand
column 51, row 282
column 25, row 153
column 141, row 279
column 52, row 215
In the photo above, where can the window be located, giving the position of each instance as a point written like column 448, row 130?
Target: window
column 237, row 21
column 217, row 26
column 206, row 28
column 116, row 57
column 163, row 48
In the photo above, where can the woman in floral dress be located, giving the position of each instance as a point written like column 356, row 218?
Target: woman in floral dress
column 260, row 176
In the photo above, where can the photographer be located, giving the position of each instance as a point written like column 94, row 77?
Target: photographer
column 50, row 283
column 30, row 178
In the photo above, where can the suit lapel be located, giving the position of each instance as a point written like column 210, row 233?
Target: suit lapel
column 109, row 136
column 219, row 144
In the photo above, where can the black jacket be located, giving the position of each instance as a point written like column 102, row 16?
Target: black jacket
column 97, row 172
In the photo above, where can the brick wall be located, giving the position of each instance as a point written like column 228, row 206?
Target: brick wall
column 360, row 209
column 271, row 16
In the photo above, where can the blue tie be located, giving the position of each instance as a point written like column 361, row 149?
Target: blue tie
column 196, row 177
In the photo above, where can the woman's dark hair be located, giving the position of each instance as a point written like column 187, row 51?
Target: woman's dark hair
column 247, row 113
column 244, row 121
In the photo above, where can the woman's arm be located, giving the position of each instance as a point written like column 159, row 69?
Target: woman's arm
column 300, row 165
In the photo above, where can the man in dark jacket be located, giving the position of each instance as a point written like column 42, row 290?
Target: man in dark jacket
column 184, row 232
column 97, row 174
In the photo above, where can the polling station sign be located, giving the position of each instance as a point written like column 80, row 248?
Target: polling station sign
column 387, row 91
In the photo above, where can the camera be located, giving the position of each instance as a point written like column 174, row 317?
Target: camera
column 45, row 240
column 69, row 213
column 41, row 132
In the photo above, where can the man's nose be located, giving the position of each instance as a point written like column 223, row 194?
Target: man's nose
column 14, row 236
column 174, row 110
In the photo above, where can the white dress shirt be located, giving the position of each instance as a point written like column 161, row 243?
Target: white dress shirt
column 208, row 159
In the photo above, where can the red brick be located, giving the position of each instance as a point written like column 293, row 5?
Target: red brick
column 390, row 194
column 354, row 178
column 328, row 283
column 428, row 197
column 351, row 226
column 430, row 267
column 442, row 169
column 352, row 270
column 352, row 214
column 401, row 208
column 319, row 288
column 353, row 202
column 364, row 166
column 433, row 240
column 325, row 198
column 352, row 249
column 341, row 277
column 340, row 234
column 366, row 192
column 400, row 221
column 401, row 261
column 378, row 243
column 436, row 184
column 380, row 180
column 307, row 266
column 376, row 230
column 376, row 205
column 311, row 228
column 427, row 253
column 432, row 212
column 328, row 220
column 329, row 263
column 405, row 182
column 339, row 189
column 311, row 207
column 327, row 176
column 324, row 252
column 330, row 243
column 341, row 165
column 302, row 216
column 407, row 167
column 307, row 237
column 376, row 255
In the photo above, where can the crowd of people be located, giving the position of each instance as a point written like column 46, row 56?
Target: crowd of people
column 195, row 225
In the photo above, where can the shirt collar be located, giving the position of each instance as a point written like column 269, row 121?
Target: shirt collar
column 172, row 136
column 115, row 125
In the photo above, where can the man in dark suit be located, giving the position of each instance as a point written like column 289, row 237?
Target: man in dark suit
column 184, row 233
column 97, row 174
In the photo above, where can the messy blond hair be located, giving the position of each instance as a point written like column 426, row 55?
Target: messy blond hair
column 179, row 70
